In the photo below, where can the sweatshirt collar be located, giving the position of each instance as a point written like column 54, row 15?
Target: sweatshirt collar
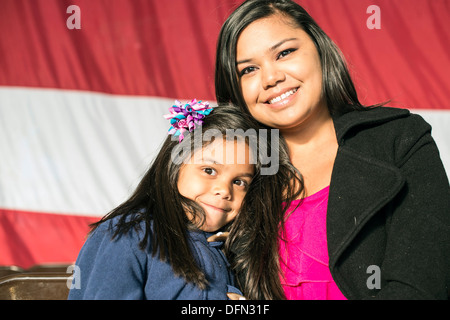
column 202, row 236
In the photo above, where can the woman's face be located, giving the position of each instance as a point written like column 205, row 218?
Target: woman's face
column 280, row 73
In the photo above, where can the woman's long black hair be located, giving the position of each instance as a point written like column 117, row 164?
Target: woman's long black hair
column 262, row 281
column 337, row 84
column 157, row 204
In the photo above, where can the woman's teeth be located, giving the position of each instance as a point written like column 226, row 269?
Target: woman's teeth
column 283, row 96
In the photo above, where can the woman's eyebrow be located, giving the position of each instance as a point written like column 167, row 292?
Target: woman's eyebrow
column 271, row 49
column 274, row 47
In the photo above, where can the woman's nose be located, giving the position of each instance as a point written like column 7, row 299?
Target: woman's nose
column 271, row 75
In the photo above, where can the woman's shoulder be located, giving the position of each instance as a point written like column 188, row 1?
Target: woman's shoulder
column 381, row 121
column 384, row 132
column 386, row 114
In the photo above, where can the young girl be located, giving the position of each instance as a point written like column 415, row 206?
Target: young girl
column 160, row 243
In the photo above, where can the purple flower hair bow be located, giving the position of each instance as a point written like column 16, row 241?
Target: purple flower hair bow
column 185, row 117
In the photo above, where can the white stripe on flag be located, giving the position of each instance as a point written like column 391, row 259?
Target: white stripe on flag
column 75, row 152
column 83, row 153
column 440, row 123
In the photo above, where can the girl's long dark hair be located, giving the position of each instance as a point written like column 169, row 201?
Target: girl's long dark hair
column 252, row 247
column 157, row 204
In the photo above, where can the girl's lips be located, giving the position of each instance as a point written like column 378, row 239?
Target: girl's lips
column 215, row 208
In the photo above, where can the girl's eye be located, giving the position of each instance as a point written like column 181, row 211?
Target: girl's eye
column 210, row 171
column 240, row 183
column 285, row 53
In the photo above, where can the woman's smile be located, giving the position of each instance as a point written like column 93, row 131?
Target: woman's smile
column 282, row 100
column 282, row 97
column 280, row 73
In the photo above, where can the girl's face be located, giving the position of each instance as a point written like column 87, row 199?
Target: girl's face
column 280, row 72
column 217, row 178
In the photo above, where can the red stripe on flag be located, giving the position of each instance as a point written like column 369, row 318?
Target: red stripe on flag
column 167, row 48
column 29, row 238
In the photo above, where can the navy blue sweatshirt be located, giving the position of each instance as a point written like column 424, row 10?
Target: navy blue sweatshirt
column 118, row 269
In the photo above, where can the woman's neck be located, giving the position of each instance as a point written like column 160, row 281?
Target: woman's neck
column 318, row 126
column 312, row 150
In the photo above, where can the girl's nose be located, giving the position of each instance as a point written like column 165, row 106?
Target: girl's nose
column 223, row 190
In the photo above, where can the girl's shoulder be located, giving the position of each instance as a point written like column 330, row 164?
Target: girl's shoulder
column 104, row 256
column 122, row 230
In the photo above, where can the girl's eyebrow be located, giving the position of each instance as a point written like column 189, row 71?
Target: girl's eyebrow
column 210, row 160
column 246, row 174
column 271, row 49
column 213, row 161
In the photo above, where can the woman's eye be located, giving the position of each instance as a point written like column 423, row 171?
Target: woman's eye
column 246, row 71
column 285, row 53
column 210, row 171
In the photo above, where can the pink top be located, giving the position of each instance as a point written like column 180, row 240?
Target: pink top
column 304, row 258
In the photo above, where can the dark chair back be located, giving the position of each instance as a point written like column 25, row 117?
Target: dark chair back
column 35, row 286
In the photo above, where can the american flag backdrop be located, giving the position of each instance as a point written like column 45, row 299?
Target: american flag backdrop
column 84, row 85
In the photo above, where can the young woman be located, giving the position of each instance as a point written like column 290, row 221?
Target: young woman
column 374, row 221
column 161, row 243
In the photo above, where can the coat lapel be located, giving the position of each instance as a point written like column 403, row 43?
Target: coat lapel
column 360, row 185
column 360, row 188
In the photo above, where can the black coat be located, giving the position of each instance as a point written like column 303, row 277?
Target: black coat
column 388, row 208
